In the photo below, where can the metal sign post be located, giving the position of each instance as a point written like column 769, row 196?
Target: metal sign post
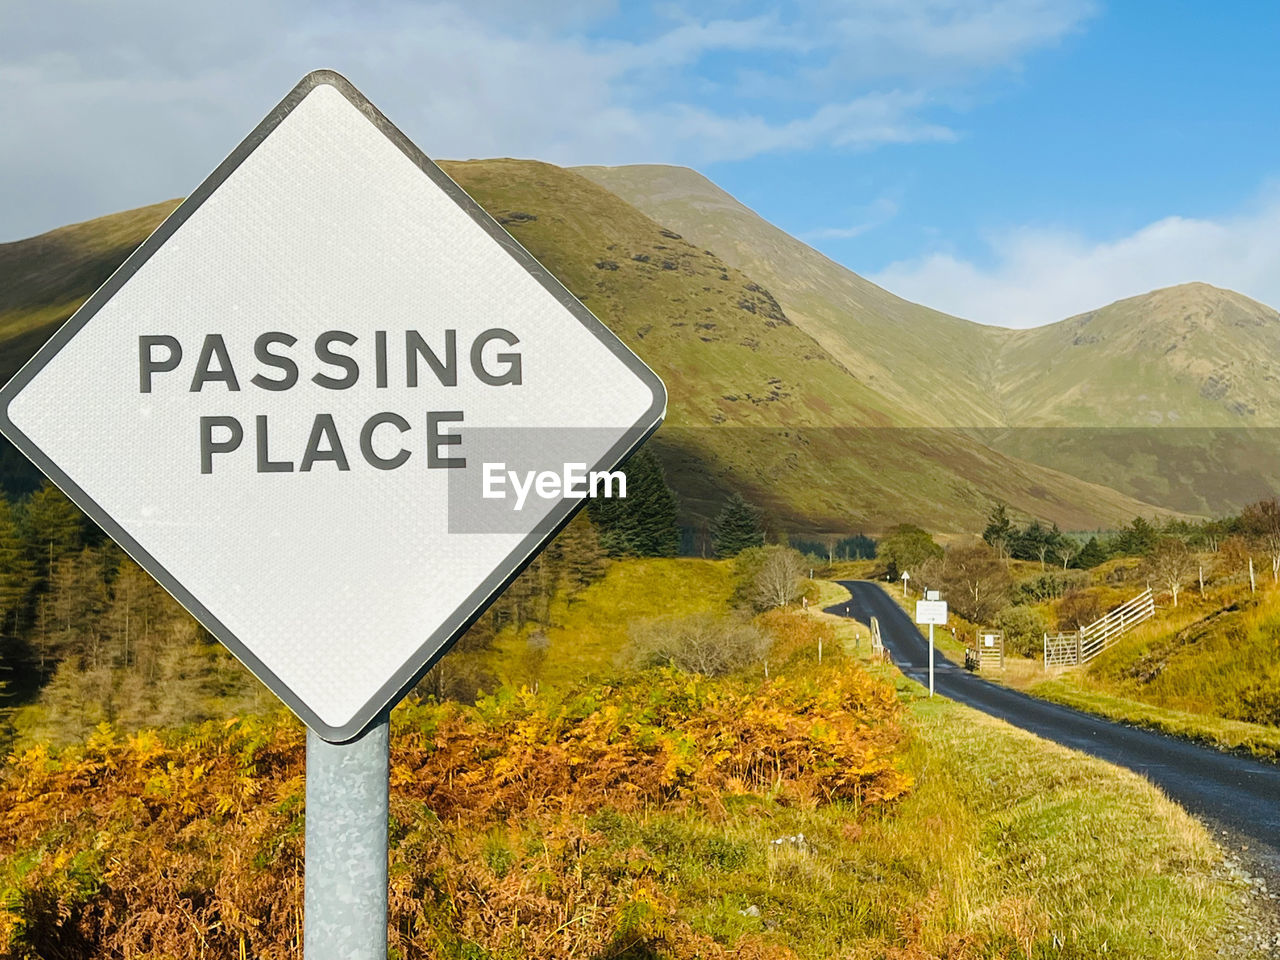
column 345, row 911
column 931, row 611
column 303, row 405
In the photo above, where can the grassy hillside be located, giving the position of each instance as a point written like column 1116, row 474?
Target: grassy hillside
column 1187, row 356
column 756, row 404
column 43, row 280
column 1215, row 659
column 884, row 338
column 1170, row 396
column 1220, row 660
column 1081, row 395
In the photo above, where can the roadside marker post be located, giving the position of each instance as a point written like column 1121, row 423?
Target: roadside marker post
column 931, row 611
column 284, row 406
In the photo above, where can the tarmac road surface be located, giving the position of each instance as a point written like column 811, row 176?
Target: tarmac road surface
column 1235, row 792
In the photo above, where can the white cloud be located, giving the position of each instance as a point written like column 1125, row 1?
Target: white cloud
column 121, row 103
column 1037, row 276
column 878, row 212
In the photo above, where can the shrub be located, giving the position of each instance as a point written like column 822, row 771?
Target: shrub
column 975, row 581
column 1050, row 586
column 1078, row 608
column 702, row 643
column 1259, row 703
column 1023, row 629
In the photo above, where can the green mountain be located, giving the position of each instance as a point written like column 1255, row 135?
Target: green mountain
column 1185, row 356
column 757, row 403
column 1169, row 397
column 931, row 365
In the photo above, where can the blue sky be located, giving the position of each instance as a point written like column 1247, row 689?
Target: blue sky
column 1012, row 161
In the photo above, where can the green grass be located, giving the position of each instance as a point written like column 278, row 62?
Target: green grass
column 825, row 593
column 590, row 632
column 1217, row 657
column 1007, row 847
column 1084, row 854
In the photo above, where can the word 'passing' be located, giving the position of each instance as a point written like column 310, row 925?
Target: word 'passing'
column 337, row 360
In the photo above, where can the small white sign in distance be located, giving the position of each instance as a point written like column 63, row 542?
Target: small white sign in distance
column 931, row 611
column 280, row 405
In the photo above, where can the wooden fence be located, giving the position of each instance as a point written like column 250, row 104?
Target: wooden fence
column 1081, row 646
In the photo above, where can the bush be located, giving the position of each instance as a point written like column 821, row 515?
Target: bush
column 1259, row 703
column 975, row 581
column 1050, row 586
column 702, row 643
column 1023, row 629
column 1078, row 608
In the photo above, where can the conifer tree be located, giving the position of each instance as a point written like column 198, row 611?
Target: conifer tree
column 15, row 568
column 54, row 527
column 77, row 598
column 737, row 527
column 644, row 522
column 1091, row 554
column 999, row 530
column 581, row 558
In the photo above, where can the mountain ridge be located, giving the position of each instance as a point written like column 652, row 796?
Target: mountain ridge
column 756, row 405
column 992, row 358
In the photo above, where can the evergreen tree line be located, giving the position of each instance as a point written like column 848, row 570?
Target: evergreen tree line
column 1255, row 529
column 86, row 636
column 834, row 549
column 644, row 523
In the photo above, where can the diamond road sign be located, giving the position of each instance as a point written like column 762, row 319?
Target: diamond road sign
column 299, row 403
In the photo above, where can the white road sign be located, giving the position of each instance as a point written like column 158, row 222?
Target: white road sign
column 286, row 402
column 931, row 611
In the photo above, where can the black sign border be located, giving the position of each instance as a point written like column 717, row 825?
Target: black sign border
column 441, row 639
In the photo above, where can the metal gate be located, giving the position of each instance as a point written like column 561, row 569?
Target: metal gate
column 1081, row 646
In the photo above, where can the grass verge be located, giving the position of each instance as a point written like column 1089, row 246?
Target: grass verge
column 1051, row 852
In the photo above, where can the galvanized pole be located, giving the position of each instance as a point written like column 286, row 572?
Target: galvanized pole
column 346, row 853
column 931, row 659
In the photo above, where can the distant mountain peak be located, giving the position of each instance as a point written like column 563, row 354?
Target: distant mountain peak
column 1181, row 307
